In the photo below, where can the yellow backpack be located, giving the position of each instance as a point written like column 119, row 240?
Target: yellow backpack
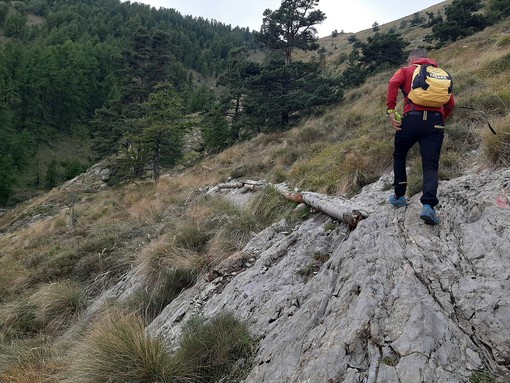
column 430, row 86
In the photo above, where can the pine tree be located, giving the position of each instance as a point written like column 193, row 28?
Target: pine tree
column 462, row 19
column 292, row 26
column 280, row 94
column 159, row 139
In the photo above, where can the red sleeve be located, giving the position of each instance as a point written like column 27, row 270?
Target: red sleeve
column 396, row 81
column 448, row 107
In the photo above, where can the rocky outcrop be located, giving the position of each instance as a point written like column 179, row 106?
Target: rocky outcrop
column 394, row 300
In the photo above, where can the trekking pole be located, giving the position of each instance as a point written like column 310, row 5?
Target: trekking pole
column 483, row 115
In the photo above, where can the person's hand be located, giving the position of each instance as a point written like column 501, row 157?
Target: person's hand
column 395, row 122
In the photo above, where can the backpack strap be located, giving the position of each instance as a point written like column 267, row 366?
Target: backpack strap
column 419, row 80
column 404, row 93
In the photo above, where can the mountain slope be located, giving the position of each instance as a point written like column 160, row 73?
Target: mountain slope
column 397, row 301
column 392, row 301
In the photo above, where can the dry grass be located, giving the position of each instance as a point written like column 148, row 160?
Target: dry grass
column 57, row 304
column 163, row 253
column 117, row 350
column 235, row 232
column 207, row 230
column 38, row 364
column 496, row 148
column 13, row 277
column 18, row 319
column 167, row 270
column 229, row 227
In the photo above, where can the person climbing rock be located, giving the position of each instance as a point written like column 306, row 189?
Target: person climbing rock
column 428, row 101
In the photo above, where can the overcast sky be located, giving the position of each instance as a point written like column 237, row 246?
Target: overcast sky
column 349, row 16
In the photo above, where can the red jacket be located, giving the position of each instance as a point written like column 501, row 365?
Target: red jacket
column 403, row 77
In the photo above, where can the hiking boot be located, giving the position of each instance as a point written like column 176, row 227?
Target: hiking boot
column 398, row 202
column 428, row 214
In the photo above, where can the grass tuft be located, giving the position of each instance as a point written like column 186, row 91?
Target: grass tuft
column 58, row 303
column 192, row 236
column 269, row 206
column 18, row 319
column 215, row 346
column 482, row 377
column 118, row 350
column 496, row 148
column 37, row 364
column 234, row 233
column 342, row 168
column 163, row 288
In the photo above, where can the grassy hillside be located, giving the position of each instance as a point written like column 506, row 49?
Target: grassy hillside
column 59, row 251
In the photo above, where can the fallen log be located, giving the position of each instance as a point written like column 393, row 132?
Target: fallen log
column 336, row 207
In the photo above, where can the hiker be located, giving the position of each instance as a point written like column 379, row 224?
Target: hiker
column 422, row 124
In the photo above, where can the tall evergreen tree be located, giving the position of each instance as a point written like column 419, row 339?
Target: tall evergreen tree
column 159, row 139
column 280, row 94
column 147, row 63
column 14, row 24
column 383, row 50
column 216, row 131
column 462, row 19
column 380, row 51
column 498, row 9
column 292, row 26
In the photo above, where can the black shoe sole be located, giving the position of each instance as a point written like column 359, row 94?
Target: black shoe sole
column 429, row 220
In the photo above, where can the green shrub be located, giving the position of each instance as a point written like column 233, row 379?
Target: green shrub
column 72, row 168
column 230, row 226
column 343, row 168
column 497, row 66
column 311, row 269
column 307, row 135
column 462, row 136
column 489, row 103
column 104, row 250
column 53, row 174
column 235, row 231
column 269, row 206
column 482, row 377
column 192, row 236
column 279, row 175
column 53, row 266
column 214, row 346
column 450, row 165
column 290, row 154
column 504, row 41
column 117, row 349
column 168, row 284
column 414, row 175
column 319, row 170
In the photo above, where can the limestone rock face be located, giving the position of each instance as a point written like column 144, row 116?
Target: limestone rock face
column 394, row 300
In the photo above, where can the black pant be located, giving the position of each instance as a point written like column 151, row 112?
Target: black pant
column 426, row 128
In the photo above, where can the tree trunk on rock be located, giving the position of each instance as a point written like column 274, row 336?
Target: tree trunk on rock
column 333, row 206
